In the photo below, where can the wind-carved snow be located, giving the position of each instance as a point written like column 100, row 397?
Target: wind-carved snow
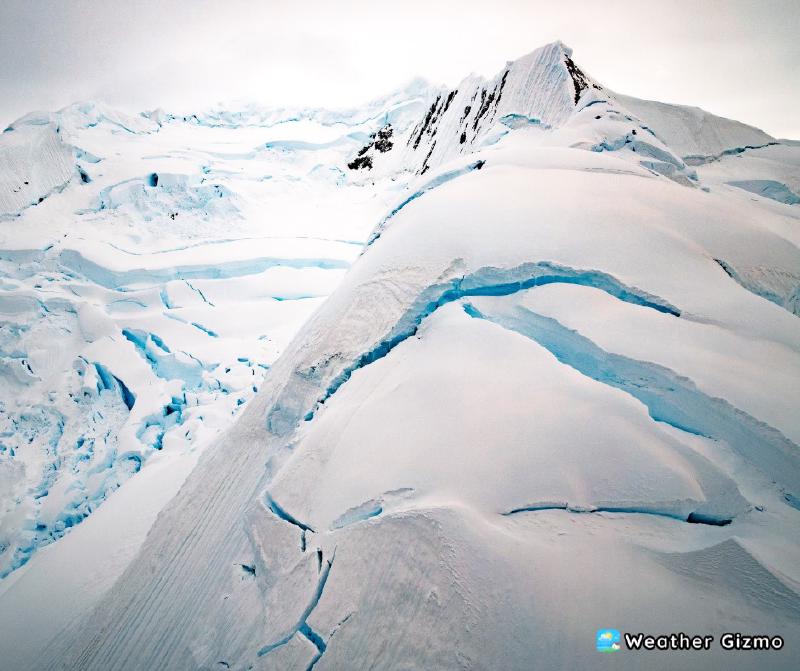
column 552, row 354
column 36, row 163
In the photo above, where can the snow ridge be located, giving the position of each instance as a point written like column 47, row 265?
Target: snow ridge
column 544, row 85
column 485, row 282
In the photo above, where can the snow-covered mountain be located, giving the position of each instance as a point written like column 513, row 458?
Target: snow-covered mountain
column 451, row 381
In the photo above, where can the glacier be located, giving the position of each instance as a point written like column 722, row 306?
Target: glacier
column 449, row 381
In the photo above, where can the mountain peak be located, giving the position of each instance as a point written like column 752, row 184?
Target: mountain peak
column 543, row 86
column 551, row 49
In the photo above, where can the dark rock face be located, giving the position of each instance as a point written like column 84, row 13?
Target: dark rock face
column 382, row 142
column 476, row 110
column 427, row 123
column 379, row 141
column 360, row 162
column 480, row 111
column 579, row 80
column 489, row 102
column 425, row 165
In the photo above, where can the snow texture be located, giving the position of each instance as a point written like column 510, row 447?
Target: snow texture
column 447, row 382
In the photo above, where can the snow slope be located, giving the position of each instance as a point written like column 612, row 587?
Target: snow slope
column 694, row 133
column 556, row 391
column 36, row 162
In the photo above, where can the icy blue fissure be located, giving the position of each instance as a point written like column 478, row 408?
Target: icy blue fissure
column 108, row 380
column 115, row 279
column 692, row 518
column 302, row 625
column 494, row 282
column 668, row 397
column 278, row 511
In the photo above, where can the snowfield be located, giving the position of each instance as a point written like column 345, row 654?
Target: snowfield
column 450, row 382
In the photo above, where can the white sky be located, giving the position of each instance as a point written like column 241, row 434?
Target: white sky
column 737, row 58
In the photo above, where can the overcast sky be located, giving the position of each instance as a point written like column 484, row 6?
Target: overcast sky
column 736, row 58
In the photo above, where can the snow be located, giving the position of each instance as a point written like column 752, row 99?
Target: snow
column 36, row 162
column 693, row 132
column 457, row 410
column 537, row 83
column 172, row 265
column 774, row 166
column 769, row 188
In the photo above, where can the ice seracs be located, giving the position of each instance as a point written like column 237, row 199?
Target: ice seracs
column 171, row 262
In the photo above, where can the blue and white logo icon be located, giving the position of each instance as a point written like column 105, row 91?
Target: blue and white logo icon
column 607, row 640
